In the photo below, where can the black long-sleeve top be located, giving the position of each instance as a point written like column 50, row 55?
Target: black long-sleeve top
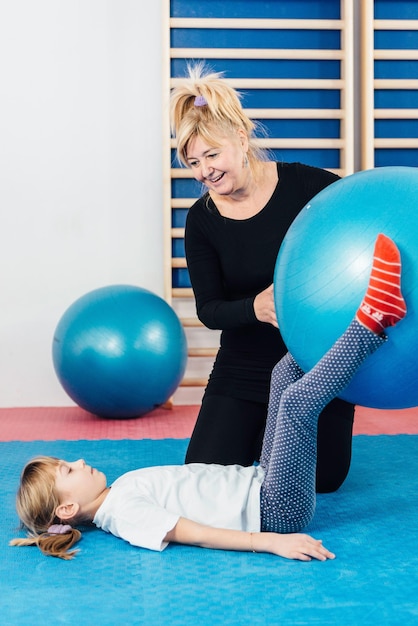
column 230, row 262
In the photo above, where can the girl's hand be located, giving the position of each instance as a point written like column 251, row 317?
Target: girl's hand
column 264, row 308
column 292, row 546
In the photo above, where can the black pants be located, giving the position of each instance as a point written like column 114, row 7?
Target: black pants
column 230, row 431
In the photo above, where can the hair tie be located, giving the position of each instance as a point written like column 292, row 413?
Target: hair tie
column 200, row 101
column 59, row 529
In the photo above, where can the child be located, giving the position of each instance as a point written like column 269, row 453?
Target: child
column 259, row 509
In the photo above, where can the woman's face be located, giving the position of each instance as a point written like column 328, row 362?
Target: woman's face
column 221, row 168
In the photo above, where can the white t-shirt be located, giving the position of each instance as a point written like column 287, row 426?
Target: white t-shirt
column 143, row 505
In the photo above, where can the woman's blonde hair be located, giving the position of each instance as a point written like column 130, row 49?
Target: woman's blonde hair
column 36, row 503
column 221, row 115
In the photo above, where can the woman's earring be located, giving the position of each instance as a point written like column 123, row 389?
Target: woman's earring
column 245, row 162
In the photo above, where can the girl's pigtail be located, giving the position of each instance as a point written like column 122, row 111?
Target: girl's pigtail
column 52, row 544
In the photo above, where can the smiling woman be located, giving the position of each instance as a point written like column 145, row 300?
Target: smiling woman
column 237, row 191
column 232, row 237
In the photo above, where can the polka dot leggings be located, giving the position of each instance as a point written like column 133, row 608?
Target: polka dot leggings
column 289, row 449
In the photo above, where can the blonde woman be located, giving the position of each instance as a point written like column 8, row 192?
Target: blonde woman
column 232, row 237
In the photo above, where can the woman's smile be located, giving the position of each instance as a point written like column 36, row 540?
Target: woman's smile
column 213, row 180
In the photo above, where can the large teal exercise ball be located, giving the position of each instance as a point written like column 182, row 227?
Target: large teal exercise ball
column 322, row 272
column 119, row 351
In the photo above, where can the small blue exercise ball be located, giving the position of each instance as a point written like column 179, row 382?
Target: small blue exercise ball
column 119, row 351
column 322, row 273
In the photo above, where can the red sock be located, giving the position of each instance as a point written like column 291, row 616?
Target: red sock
column 383, row 304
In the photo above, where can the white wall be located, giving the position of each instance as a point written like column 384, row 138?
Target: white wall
column 80, row 171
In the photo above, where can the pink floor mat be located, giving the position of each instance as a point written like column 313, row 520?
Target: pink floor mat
column 73, row 423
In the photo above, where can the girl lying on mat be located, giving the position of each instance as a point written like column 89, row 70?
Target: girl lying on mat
column 259, row 509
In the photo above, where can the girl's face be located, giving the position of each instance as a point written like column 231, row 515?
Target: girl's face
column 220, row 168
column 77, row 482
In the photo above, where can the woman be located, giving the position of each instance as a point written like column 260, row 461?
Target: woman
column 232, row 238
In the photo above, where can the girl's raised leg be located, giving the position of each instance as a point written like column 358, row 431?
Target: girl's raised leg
column 288, row 490
column 284, row 373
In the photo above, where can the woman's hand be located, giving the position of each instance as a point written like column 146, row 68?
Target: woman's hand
column 264, row 308
column 292, row 546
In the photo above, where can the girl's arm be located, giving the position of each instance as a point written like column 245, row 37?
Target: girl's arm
column 291, row 546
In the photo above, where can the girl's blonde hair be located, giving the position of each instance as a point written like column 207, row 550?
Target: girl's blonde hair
column 221, row 115
column 36, row 503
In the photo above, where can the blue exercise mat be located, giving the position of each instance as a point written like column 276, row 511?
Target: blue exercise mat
column 371, row 524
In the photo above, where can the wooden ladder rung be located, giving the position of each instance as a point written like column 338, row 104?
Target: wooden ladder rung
column 199, row 352
column 191, row 322
column 194, row 382
column 182, row 292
